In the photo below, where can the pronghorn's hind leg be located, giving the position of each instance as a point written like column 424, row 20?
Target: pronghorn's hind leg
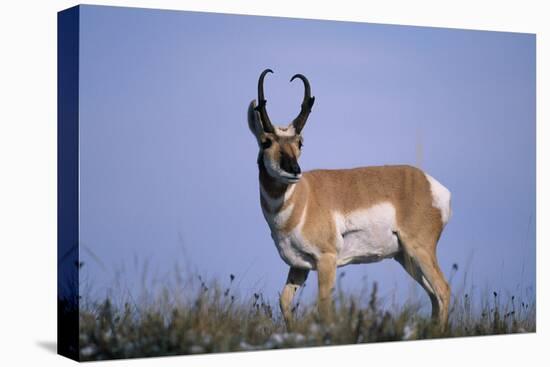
column 421, row 263
column 296, row 278
column 414, row 271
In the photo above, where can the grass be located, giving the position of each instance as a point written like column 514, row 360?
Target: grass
column 211, row 318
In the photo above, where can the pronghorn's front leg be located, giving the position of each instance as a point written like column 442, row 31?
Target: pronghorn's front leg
column 326, row 274
column 296, row 278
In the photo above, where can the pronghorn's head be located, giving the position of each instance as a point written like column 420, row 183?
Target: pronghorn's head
column 280, row 147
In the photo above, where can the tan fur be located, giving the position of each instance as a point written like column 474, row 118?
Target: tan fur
column 347, row 190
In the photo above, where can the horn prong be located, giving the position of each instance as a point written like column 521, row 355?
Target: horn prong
column 307, row 104
column 266, row 122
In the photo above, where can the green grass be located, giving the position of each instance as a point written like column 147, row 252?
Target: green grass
column 209, row 318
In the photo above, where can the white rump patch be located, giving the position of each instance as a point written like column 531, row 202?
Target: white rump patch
column 441, row 198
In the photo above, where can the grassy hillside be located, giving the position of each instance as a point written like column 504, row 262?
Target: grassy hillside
column 210, row 318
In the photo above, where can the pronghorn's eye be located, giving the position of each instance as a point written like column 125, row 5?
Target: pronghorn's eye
column 266, row 144
column 300, row 144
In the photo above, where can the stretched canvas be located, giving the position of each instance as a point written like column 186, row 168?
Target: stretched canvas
column 242, row 183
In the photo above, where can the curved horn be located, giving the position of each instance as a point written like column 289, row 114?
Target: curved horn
column 307, row 103
column 266, row 123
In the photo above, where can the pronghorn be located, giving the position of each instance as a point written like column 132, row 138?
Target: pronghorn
column 324, row 219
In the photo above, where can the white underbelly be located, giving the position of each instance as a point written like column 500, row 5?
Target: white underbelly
column 360, row 248
column 295, row 252
column 363, row 236
column 367, row 235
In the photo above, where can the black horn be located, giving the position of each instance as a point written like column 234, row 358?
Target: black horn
column 266, row 123
column 307, row 103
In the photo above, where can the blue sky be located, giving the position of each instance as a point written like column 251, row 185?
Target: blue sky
column 168, row 166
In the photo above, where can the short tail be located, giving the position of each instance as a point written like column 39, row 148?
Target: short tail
column 441, row 198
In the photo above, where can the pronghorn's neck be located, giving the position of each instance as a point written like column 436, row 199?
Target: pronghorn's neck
column 270, row 185
column 273, row 193
column 283, row 205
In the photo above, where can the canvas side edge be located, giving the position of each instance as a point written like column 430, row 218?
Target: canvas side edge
column 67, row 182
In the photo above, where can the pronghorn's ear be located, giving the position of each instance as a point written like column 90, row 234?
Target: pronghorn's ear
column 254, row 123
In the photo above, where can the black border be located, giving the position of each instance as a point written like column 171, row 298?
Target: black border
column 67, row 181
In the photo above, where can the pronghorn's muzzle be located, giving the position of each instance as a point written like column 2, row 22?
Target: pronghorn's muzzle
column 290, row 165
